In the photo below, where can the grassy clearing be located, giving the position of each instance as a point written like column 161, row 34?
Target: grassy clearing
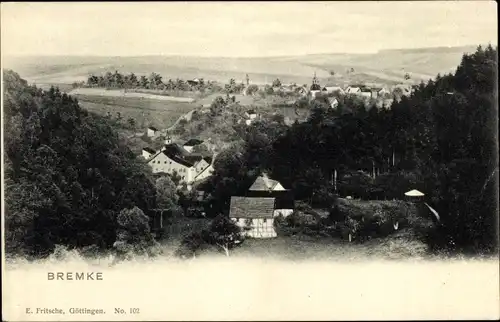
column 129, row 94
column 145, row 112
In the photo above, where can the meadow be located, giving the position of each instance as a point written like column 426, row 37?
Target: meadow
column 146, row 112
column 129, row 94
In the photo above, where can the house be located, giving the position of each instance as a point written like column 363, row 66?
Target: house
column 254, row 215
column 147, row 153
column 353, row 90
column 190, row 144
column 380, row 92
column 334, row 103
column 365, row 92
column 333, row 89
column 263, row 186
column 251, row 114
column 174, row 159
column 152, row 131
column 194, row 82
column 265, row 200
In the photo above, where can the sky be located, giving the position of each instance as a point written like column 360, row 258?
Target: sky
column 241, row 29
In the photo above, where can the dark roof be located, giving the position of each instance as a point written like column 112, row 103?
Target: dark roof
column 192, row 158
column 251, row 111
column 177, row 154
column 174, row 148
column 179, row 159
column 365, row 89
column 315, row 87
column 153, row 128
column 246, row 207
column 193, row 142
column 149, row 150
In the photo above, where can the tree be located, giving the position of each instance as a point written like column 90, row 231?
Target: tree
column 166, row 193
column 131, row 122
column 224, row 233
column 252, row 89
column 133, row 233
column 276, row 83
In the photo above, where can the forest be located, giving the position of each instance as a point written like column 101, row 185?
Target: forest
column 70, row 180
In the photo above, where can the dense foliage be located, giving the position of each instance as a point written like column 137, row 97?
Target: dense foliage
column 441, row 140
column 67, row 173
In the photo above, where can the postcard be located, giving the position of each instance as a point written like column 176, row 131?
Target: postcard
column 214, row 161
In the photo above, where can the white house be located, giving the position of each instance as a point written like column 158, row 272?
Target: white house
column 251, row 114
column 190, row 144
column 365, row 92
column 172, row 159
column 254, row 215
column 334, row 103
column 314, row 93
column 152, row 131
column 353, row 90
column 333, row 89
column 148, row 153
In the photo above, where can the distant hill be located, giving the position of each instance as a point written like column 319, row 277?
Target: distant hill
column 385, row 66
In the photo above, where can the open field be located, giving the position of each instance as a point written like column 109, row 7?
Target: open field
column 386, row 66
column 145, row 112
column 129, row 94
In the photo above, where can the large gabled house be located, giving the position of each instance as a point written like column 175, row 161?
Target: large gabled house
column 174, row 159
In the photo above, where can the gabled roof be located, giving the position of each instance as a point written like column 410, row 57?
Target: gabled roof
column 193, row 142
column 249, row 112
column 366, row 90
column 414, row 193
column 179, row 155
column 152, row 128
column 247, row 207
column 149, row 150
column 263, row 183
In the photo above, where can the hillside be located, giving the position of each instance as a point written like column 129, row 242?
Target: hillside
column 386, row 66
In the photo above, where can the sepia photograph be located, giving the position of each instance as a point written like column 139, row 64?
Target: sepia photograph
column 289, row 160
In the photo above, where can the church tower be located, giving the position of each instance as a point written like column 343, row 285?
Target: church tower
column 248, row 80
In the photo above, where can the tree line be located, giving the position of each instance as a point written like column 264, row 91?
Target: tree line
column 153, row 81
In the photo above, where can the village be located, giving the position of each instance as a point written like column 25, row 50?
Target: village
column 191, row 161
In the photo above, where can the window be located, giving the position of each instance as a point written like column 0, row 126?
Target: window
column 265, row 220
column 165, row 162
